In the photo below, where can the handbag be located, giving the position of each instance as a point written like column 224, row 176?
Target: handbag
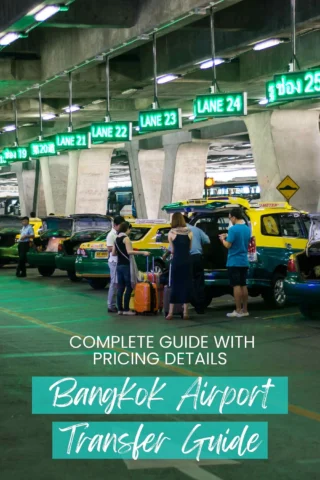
column 134, row 272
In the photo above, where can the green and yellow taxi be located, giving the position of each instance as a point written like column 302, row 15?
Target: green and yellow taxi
column 92, row 257
column 10, row 227
column 56, row 231
column 302, row 284
column 278, row 231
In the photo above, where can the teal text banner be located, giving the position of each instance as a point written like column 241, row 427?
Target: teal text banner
column 159, row 395
column 160, row 440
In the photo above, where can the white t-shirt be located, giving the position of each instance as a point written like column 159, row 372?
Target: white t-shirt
column 111, row 238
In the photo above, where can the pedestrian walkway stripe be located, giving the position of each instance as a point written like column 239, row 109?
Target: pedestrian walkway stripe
column 295, row 409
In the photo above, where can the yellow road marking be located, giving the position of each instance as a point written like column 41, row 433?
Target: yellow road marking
column 295, row 409
column 283, row 315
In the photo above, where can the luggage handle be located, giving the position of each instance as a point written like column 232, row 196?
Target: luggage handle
column 154, row 275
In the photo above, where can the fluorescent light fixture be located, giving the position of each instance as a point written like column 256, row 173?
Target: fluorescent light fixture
column 74, row 108
column 96, row 102
column 166, row 78
column 9, row 128
column 49, row 116
column 137, row 129
column 267, row 44
column 192, row 117
column 209, row 63
column 9, row 38
column 129, row 91
column 46, row 13
column 263, row 101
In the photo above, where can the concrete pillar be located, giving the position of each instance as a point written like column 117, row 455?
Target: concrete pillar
column 46, row 184
column 151, row 164
column 93, row 180
column 74, row 157
column 287, row 142
column 26, row 185
column 136, row 178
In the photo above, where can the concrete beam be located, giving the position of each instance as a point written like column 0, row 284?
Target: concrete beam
column 98, row 13
column 60, row 52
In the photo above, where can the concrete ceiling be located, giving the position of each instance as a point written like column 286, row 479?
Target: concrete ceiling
column 76, row 39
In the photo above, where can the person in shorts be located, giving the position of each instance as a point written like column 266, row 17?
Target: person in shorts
column 237, row 242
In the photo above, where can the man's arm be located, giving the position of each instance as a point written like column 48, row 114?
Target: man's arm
column 110, row 244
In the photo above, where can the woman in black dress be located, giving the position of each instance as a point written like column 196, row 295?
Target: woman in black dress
column 180, row 239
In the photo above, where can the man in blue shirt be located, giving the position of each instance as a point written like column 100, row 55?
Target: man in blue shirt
column 26, row 235
column 237, row 242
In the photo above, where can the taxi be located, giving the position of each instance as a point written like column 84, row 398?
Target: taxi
column 56, row 231
column 302, row 284
column 92, row 257
column 278, row 231
column 10, row 227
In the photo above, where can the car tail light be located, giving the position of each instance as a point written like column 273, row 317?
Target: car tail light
column 60, row 248
column 291, row 265
column 81, row 252
column 252, row 250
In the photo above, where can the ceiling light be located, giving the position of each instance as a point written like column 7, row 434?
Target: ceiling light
column 74, row 108
column 166, row 78
column 192, row 117
column 9, row 38
column 209, row 63
column 130, row 90
column 267, row 44
column 49, row 116
column 9, row 128
column 96, row 102
column 263, row 101
column 46, row 13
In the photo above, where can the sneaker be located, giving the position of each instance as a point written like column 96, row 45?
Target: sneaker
column 112, row 310
column 120, row 312
column 129, row 313
column 247, row 314
column 234, row 314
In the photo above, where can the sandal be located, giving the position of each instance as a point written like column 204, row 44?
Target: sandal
column 186, row 317
column 169, row 317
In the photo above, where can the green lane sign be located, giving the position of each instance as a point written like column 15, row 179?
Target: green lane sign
column 294, row 86
column 155, row 120
column 111, row 132
column 3, row 161
column 16, row 154
column 42, row 149
column 221, row 105
column 73, row 141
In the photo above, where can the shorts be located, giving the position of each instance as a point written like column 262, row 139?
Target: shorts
column 238, row 276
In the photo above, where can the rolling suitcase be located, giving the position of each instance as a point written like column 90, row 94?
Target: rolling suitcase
column 146, row 296
column 178, row 308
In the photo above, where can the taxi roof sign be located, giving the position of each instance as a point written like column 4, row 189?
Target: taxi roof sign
column 270, row 205
column 150, row 222
column 288, row 188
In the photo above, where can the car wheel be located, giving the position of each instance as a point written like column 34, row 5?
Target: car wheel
column 46, row 271
column 309, row 312
column 275, row 297
column 73, row 277
column 98, row 283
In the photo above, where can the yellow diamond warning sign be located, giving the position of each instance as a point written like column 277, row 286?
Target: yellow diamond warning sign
column 288, row 187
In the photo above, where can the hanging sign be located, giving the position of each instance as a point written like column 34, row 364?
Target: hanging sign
column 288, row 188
column 221, row 105
column 155, row 120
column 73, row 141
column 111, row 132
column 42, row 149
column 294, row 86
column 16, row 154
column 3, row 161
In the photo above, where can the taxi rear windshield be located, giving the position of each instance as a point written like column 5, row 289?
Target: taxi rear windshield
column 57, row 224
column 56, row 233
column 91, row 223
column 137, row 233
column 87, row 236
column 7, row 221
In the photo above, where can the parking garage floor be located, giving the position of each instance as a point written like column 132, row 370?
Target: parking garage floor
column 37, row 317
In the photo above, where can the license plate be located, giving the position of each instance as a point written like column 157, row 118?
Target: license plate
column 101, row 255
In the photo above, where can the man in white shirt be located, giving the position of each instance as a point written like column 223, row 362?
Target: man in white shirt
column 113, row 260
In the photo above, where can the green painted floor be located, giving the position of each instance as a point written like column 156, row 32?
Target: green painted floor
column 37, row 318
